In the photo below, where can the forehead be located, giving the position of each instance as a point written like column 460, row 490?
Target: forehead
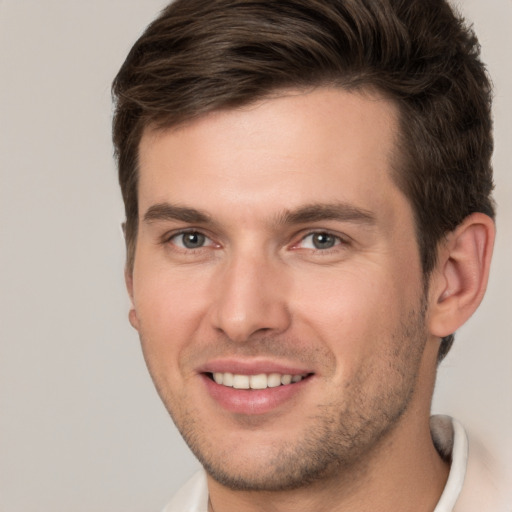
column 294, row 148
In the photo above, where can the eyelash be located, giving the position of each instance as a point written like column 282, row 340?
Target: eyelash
column 173, row 236
column 338, row 241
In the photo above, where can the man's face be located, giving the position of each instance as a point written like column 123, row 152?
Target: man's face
column 273, row 246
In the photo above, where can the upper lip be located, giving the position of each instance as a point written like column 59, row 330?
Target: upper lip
column 253, row 366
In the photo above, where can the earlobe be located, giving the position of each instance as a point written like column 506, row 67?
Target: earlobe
column 460, row 279
column 132, row 317
column 132, row 314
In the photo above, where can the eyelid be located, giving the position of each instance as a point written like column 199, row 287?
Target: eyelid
column 341, row 239
column 168, row 238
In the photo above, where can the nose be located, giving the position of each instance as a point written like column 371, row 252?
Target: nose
column 251, row 299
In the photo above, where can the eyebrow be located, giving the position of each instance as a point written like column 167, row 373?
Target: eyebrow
column 316, row 212
column 331, row 211
column 167, row 211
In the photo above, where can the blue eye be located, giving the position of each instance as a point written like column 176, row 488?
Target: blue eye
column 190, row 240
column 320, row 241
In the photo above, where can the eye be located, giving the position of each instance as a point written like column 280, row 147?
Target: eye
column 190, row 240
column 319, row 241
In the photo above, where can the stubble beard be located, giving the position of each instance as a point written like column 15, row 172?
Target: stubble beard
column 341, row 436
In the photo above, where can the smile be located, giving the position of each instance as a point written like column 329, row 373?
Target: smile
column 250, row 389
column 260, row 381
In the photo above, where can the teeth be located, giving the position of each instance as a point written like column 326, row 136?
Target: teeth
column 286, row 379
column 241, row 381
column 227, row 379
column 260, row 381
column 274, row 380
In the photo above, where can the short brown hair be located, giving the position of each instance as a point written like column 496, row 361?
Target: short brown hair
column 199, row 56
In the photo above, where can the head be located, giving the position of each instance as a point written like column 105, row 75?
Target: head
column 307, row 190
column 200, row 57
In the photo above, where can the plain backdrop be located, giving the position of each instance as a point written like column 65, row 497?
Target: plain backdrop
column 81, row 427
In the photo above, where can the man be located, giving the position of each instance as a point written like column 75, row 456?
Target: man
column 309, row 219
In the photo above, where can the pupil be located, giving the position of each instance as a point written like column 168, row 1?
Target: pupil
column 323, row 241
column 193, row 240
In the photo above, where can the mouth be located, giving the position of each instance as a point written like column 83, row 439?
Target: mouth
column 257, row 386
column 254, row 394
column 256, row 382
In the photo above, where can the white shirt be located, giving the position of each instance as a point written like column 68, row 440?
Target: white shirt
column 469, row 487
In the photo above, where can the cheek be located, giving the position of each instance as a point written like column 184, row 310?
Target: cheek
column 356, row 314
column 165, row 293
column 169, row 307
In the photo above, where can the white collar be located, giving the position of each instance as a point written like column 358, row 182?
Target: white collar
column 451, row 441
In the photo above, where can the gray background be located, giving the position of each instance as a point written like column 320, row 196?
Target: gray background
column 81, row 427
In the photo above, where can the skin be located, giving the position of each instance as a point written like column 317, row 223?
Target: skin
column 354, row 316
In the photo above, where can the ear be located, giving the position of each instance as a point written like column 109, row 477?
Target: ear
column 132, row 315
column 459, row 280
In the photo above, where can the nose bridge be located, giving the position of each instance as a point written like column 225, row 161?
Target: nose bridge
column 251, row 296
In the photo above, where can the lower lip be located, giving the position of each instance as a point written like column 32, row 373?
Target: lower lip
column 253, row 401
